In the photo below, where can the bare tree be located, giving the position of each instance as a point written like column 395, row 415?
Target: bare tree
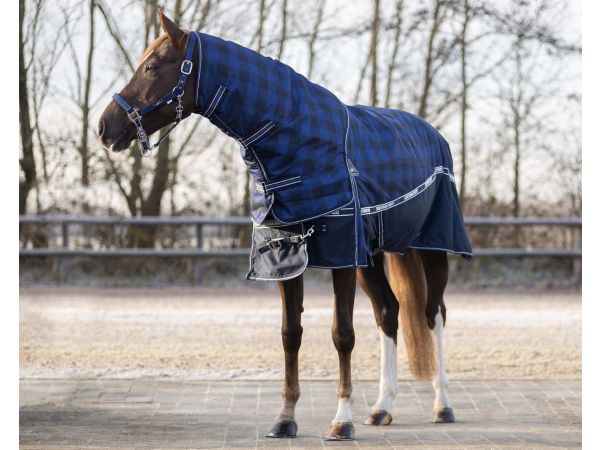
column 438, row 16
column 464, row 99
column 533, row 75
column 393, row 60
column 284, row 20
column 85, row 104
column 27, row 160
column 314, row 35
column 373, row 51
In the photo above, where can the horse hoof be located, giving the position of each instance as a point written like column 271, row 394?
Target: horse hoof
column 340, row 431
column 283, row 429
column 379, row 418
column 444, row 415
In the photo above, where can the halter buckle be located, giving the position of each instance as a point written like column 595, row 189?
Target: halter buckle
column 134, row 115
column 186, row 67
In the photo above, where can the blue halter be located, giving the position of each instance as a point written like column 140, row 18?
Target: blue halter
column 135, row 114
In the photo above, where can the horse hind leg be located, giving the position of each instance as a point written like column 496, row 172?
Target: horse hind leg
column 435, row 265
column 406, row 277
column 373, row 281
column 291, row 334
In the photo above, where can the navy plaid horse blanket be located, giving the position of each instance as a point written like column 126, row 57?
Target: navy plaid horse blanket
column 332, row 184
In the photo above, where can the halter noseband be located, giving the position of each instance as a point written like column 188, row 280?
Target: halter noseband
column 135, row 114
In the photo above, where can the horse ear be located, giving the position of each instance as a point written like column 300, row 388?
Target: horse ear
column 175, row 33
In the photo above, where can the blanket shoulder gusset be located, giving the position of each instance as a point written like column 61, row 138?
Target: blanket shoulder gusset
column 291, row 131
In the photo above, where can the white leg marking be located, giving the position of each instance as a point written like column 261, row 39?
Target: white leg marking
column 388, row 378
column 440, row 380
column 344, row 411
column 287, row 411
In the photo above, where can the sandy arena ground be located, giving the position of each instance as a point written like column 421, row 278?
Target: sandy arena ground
column 234, row 334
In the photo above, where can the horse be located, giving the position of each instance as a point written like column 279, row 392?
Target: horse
column 405, row 283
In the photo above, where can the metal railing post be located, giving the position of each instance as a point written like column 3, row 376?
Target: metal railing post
column 65, row 260
column 577, row 232
column 199, row 264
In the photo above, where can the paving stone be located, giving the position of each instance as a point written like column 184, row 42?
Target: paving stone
column 153, row 414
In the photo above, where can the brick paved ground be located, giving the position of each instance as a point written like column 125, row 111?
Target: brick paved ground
column 228, row 414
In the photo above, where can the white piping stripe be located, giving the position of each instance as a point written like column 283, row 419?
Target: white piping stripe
column 215, row 101
column 276, row 188
column 281, row 186
column 258, row 134
column 208, row 110
column 268, row 185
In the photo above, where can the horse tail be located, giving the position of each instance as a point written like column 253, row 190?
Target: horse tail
column 407, row 280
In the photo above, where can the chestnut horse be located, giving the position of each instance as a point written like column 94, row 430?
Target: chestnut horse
column 413, row 288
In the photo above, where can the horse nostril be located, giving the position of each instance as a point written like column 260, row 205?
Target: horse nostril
column 101, row 128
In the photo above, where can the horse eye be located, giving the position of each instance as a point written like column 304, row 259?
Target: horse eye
column 150, row 68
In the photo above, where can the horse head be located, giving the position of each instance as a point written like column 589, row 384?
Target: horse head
column 159, row 70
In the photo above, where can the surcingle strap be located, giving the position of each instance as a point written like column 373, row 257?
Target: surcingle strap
column 274, row 243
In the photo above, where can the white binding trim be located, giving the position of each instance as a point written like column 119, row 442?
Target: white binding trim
column 440, row 249
column 380, row 240
column 199, row 66
column 336, row 267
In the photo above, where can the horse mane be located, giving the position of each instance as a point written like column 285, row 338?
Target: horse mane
column 154, row 45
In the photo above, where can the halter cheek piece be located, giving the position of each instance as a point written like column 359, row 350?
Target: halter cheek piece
column 135, row 114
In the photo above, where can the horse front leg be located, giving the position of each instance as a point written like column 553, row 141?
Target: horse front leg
column 291, row 334
column 342, row 332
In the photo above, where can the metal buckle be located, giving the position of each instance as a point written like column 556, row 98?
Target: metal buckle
column 186, row 67
column 134, row 115
column 274, row 244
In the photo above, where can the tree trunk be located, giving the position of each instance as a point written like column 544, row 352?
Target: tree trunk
column 517, row 167
column 517, row 121
column 313, row 38
column 283, row 36
column 27, row 161
column 393, row 59
column 151, row 206
column 145, row 236
column 373, row 51
column 85, row 106
column 463, row 103
column 427, row 79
